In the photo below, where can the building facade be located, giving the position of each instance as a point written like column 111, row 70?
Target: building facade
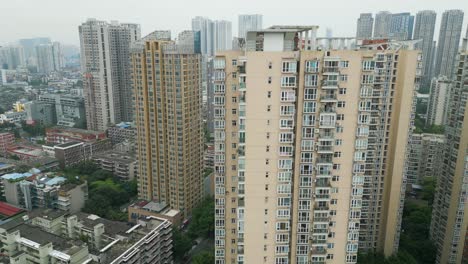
column 424, row 160
column 424, row 30
column 315, row 175
column 365, row 24
column 168, row 122
column 401, row 26
column 439, row 101
column 105, row 66
column 382, row 24
column 249, row 23
column 449, row 220
column 448, row 44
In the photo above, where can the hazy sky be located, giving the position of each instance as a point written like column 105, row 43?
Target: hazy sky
column 59, row 19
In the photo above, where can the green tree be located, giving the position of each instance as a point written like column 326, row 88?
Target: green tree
column 205, row 257
column 182, row 243
column 202, row 222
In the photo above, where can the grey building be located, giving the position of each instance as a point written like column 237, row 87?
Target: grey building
column 41, row 112
column 424, row 157
column 105, row 64
column 401, row 26
column 364, row 26
column 424, row 30
column 249, row 23
column 439, row 101
column 449, row 41
column 382, row 24
column 11, row 57
column 69, row 110
column 29, row 46
column 206, row 28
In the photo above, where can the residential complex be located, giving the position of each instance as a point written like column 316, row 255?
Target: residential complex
column 449, row 219
column 167, row 89
column 365, row 24
column 382, row 24
column 439, row 101
column 215, row 35
column 249, row 23
column 424, row 31
column 424, row 160
column 310, row 148
column 105, row 65
column 55, row 237
column 449, row 41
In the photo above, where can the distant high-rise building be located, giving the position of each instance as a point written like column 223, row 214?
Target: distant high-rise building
column 105, row 64
column 249, row 23
column 329, row 33
column 168, row 120
column 29, row 46
column 45, row 58
column 424, row 160
column 449, row 41
column 222, row 35
column 206, row 28
column 424, row 30
column 57, row 54
column 11, row 57
column 308, row 163
column 449, row 215
column 439, row 101
column 401, row 26
column 382, row 24
column 364, row 26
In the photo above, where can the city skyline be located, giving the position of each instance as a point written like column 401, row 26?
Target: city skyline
column 179, row 16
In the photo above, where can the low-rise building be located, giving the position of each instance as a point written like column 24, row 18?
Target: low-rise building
column 7, row 140
column 34, row 189
column 13, row 117
column 26, row 152
column 60, row 135
column 121, row 132
column 143, row 208
column 6, row 168
column 122, row 165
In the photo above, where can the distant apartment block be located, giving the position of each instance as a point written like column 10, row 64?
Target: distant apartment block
column 249, row 23
column 142, row 209
column 122, row 132
column 424, row 31
column 439, row 101
column 122, row 165
column 424, row 159
column 365, row 24
column 7, row 140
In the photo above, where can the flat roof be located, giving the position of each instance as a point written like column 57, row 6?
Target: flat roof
column 9, row 210
column 16, row 176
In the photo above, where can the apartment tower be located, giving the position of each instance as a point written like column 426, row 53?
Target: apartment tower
column 449, row 216
column 382, row 24
column 424, row 31
column 364, row 26
column 249, row 23
column 449, row 41
column 309, row 148
column 439, row 101
column 168, row 100
column 105, row 64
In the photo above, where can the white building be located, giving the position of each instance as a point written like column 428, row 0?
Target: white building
column 249, row 23
column 438, row 104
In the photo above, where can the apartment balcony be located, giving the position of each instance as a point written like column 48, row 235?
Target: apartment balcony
column 324, row 160
column 319, row 251
column 323, row 183
column 242, row 86
column 331, row 70
column 328, row 98
column 318, row 220
column 322, row 197
column 321, row 207
column 325, row 149
column 326, row 135
column 318, row 242
column 326, row 84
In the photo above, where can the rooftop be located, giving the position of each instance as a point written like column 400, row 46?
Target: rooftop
column 9, row 210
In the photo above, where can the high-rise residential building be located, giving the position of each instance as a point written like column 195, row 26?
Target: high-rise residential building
column 249, row 23
column 449, row 41
column 382, row 24
column 168, row 121
column 439, row 101
column 364, row 26
column 11, row 57
column 29, row 45
column 401, row 26
column 105, row 64
column 57, row 54
column 424, row 31
column 45, row 58
column 309, row 158
column 206, row 27
column 449, row 217
column 424, row 160
column 222, row 35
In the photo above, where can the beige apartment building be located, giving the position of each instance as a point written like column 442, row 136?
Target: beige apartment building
column 166, row 80
column 310, row 148
column 449, row 218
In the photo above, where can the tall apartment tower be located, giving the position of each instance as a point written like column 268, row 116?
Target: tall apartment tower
column 168, row 99
column 424, row 30
column 449, row 41
column 382, row 24
column 105, row 64
column 449, row 216
column 401, row 26
column 424, row 160
column 438, row 106
column 206, row 28
column 57, row 54
column 45, row 58
column 222, row 35
column 309, row 149
column 364, row 26
column 249, row 23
